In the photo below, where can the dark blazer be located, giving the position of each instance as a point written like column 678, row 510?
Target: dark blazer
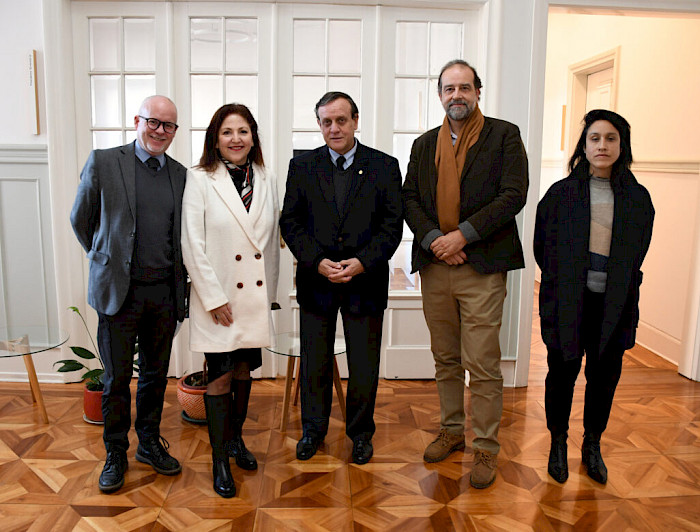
column 103, row 218
column 562, row 231
column 493, row 190
column 369, row 229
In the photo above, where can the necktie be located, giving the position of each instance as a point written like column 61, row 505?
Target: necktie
column 340, row 163
column 153, row 163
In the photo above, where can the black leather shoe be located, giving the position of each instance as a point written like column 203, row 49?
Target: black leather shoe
column 112, row 477
column 362, row 451
column 153, row 451
column 307, row 447
column 558, row 466
column 244, row 458
column 592, row 459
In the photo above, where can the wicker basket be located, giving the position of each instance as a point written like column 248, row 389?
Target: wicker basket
column 191, row 398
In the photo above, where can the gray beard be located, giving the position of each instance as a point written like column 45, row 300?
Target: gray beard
column 459, row 113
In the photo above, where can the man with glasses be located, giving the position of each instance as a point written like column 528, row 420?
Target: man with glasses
column 126, row 216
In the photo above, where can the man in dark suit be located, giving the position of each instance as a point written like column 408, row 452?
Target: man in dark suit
column 466, row 181
column 126, row 216
column 342, row 221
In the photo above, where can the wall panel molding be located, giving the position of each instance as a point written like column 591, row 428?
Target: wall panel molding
column 24, row 154
column 667, row 167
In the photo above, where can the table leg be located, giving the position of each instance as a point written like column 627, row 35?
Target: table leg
column 287, row 393
column 21, row 345
column 338, row 388
column 296, row 383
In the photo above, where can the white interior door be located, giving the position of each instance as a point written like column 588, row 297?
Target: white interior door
column 599, row 90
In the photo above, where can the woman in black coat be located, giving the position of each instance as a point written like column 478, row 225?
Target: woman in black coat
column 592, row 232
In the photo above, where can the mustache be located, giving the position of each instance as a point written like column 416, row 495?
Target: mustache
column 458, row 102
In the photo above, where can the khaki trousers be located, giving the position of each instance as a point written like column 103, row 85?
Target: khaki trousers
column 463, row 310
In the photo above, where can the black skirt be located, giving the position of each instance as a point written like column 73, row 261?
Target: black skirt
column 220, row 363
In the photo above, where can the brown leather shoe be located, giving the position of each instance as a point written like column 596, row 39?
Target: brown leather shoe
column 444, row 445
column 483, row 470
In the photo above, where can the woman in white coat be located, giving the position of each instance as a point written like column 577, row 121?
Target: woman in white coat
column 230, row 246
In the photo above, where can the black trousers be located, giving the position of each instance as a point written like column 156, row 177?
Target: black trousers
column 602, row 375
column 149, row 313
column 363, row 339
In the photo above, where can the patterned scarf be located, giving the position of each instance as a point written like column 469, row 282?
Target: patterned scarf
column 242, row 179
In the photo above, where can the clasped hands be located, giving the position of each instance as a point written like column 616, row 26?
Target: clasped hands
column 340, row 272
column 449, row 248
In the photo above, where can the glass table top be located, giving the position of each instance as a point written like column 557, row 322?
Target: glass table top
column 289, row 344
column 38, row 339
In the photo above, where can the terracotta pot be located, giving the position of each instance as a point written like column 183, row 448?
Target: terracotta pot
column 92, row 406
column 191, row 398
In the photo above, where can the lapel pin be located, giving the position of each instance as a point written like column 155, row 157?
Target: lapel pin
column 360, row 172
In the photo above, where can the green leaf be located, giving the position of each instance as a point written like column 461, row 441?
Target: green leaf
column 93, row 374
column 94, row 386
column 69, row 365
column 83, row 353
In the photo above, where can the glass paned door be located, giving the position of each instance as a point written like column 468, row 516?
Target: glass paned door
column 421, row 48
column 223, row 69
column 122, row 74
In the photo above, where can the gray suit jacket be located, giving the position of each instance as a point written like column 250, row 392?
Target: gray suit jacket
column 104, row 220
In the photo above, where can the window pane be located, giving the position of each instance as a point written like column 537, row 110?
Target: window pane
column 348, row 85
column 345, row 46
column 310, row 46
column 207, row 94
column 197, row 146
column 241, row 45
column 409, row 104
column 106, row 101
column 412, row 48
column 206, row 50
column 402, row 149
column 243, row 89
column 307, row 91
column 139, row 44
column 104, row 44
column 136, row 89
column 445, row 45
column 106, row 139
column 130, row 135
column 436, row 113
column 307, row 140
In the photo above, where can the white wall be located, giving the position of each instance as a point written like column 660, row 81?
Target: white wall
column 21, row 31
column 657, row 93
column 658, row 83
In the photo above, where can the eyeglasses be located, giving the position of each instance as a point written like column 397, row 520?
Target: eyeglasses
column 154, row 124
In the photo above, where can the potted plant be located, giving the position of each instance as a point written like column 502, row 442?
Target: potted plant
column 190, row 394
column 94, row 385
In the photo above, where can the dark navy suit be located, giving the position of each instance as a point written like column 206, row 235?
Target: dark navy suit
column 367, row 227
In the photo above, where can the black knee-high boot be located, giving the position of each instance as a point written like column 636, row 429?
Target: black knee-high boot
column 239, row 411
column 218, row 419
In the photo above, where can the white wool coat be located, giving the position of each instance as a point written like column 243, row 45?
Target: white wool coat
column 232, row 256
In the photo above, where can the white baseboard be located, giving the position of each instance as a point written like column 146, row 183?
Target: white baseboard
column 659, row 342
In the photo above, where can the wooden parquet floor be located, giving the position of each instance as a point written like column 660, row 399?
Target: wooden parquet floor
column 48, row 473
